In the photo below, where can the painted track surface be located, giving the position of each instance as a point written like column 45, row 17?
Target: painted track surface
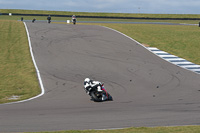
column 147, row 90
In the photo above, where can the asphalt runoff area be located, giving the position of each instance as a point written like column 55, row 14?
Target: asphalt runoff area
column 147, row 90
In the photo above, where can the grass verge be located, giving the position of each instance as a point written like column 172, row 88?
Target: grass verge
column 178, row 129
column 17, row 74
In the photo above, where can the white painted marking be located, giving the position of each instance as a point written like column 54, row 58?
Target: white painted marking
column 167, row 56
column 185, row 62
column 160, row 52
column 194, row 70
column 37, row 71
column 176, row 59
column 191, row 66
column 152, row 48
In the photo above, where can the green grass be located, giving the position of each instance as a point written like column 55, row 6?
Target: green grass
column 178, row 129
column 17, row 74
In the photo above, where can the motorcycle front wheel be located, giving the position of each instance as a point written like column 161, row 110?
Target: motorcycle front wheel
column 96, row 97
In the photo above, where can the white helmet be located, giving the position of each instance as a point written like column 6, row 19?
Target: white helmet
column 87, row 80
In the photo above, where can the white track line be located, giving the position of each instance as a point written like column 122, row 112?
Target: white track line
column 37, row 71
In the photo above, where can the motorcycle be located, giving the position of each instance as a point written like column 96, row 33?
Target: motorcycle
column 74, row 21
column 49, row 21
column 100, row 96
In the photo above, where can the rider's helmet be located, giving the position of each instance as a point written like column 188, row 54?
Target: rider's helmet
column 87, row 80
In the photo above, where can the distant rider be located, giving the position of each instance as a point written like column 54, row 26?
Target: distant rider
column 49, row 19
column 90, row 84
column 73, row 19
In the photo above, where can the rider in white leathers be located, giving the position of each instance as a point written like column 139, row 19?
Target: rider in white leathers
column 89, row 84
column 73, row 18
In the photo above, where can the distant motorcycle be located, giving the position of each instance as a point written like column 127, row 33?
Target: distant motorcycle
column 74, row 21
column 49, row 19
column 100, row 96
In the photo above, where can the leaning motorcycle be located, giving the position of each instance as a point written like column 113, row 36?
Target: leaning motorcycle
column 100, row 96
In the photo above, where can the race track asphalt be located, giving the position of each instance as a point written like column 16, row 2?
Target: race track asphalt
column 147, row 90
